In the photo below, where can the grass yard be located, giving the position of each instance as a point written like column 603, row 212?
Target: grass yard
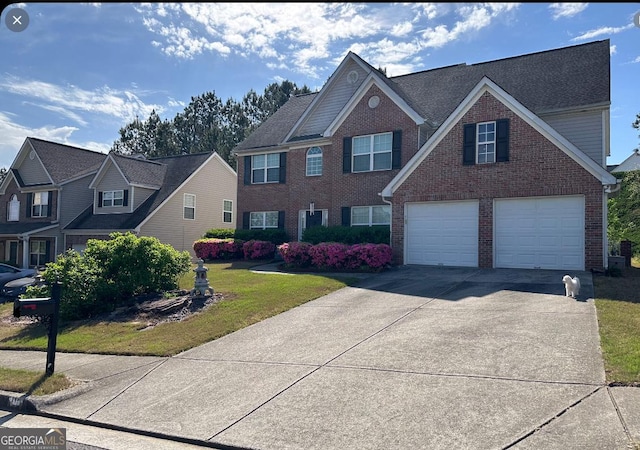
column 248, row 298
column 617, row 302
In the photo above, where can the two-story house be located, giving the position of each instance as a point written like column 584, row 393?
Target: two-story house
column 496, row 164
column 56, row 197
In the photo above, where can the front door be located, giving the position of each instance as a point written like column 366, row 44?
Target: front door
column 313, row 220
column 13, row 253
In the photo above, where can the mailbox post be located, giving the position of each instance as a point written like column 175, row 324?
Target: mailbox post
column 43, row 307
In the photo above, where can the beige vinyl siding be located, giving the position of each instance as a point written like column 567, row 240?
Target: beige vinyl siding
column 31, row 170
column 334, row 100
column 168, row 224
column 112, row 180
column 140, row 194
column 74, row 198
column 583, row 129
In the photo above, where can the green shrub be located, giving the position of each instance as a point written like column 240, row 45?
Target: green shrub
column 378, row 234
column 276, row 236
column 111, row 271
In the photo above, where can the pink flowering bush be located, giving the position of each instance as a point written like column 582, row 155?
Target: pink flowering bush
column 336, row 256
column 255, row 249
column 296, row 253
column 211, row 249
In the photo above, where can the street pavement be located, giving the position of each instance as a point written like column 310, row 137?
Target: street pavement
column 413, row 358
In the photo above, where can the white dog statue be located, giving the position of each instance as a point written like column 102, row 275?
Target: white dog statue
column 571, row 286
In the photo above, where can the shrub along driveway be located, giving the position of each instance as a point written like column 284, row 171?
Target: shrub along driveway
column 413, row 358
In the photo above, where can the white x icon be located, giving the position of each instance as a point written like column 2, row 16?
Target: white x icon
column 16, row 20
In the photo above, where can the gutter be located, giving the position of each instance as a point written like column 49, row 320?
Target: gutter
column 388, row 202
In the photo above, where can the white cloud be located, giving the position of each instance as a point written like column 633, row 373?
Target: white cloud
column 602, row 32
column 560, row 10
column 122, row 104
column 613, row 49
column 637, row 60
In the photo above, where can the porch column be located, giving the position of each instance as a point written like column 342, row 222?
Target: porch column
column 25, row 252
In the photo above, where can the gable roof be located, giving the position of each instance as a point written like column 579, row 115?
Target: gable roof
column 629, row 164
column 135, row 170
column 487, row 85
column 553, row 80
column 177, row 169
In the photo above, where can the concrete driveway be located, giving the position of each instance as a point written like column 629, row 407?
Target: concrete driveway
column 415, row 358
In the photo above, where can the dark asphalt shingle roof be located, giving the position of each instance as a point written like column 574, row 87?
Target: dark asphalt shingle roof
column 64, row 162
column 564, row 78
column 176, row 171
column 14, row 228
column 146, row 172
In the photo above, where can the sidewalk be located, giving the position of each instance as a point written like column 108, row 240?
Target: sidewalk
column 417, row 358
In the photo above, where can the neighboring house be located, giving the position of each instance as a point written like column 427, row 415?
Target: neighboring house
column 629, row 164
column 496, row 164
column 57, row 197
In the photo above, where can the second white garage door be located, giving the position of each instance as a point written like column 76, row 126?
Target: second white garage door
column 442, row 233
column 544, row 233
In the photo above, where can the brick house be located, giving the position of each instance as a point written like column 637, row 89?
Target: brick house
column 56, row 197
column 496, row 164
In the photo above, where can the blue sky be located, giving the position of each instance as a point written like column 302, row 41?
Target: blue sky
column 80, row 71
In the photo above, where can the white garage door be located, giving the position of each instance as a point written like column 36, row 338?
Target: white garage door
column 443, row 233
column 540, row 233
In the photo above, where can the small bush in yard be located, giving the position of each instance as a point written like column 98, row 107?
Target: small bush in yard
column 111, row 271
column 337, row 256
column 215, row 249
column 258, row 249
column 296, row 253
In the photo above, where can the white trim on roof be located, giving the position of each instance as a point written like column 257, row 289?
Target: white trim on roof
column 486, row 85
column 372, row 79
column 101, row 171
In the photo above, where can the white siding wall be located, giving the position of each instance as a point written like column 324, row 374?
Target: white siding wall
column 584, row 130
column 334, row 100
column 32, row 172
column 140, row 195
column 74, row 198
column 168, row 224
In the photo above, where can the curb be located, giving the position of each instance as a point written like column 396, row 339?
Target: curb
column 16, row 402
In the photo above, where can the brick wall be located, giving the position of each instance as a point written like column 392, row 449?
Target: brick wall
column 333, row 189
column 535, row 168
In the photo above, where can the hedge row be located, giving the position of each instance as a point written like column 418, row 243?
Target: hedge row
column 275, row 235
column 336, row 256
column 216, row 249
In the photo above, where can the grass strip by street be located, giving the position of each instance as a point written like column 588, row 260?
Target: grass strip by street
column 32, row 382
column 617, row 302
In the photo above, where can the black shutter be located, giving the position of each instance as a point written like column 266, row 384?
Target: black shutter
column 502, row 140
column 246, row 217
column 247, row 170
column 29, row 204
column 396, row 150
column 469, row 145
column 100, row 199
column 47, row 251
column 280, row 219
column 346, row 216
column 346, row 155
column 125, row 199
column 49, row 203
column 283, row 168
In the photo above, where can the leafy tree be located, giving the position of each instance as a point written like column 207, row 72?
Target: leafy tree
column 636, row 124
column 624, row 211
column 207, row 124
column 3, row 173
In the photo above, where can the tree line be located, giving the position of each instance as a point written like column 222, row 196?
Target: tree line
column 207, row 124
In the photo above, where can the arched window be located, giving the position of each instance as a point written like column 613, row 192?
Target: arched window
column 314, row 161
column 13, row 212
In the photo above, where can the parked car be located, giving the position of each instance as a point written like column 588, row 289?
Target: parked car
column 13, row 289
column 10, row 273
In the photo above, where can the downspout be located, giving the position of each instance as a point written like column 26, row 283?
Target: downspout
column 388, row 202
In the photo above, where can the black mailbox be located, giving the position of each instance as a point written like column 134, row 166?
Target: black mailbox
column 33, row 307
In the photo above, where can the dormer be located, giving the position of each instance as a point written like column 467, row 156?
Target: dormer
column 124, row 182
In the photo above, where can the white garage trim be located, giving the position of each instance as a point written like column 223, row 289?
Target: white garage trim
column 441, row 233
column 539, row 233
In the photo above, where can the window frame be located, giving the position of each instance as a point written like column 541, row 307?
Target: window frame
column 484, row 143
column 264, row 225
column 370, row 214
column 314, row 157
column 226, row 211
column 266, row 168
column 372, row 152
column 113, row 198
column 41, row 255
column 13, row 209
column 186, row 207
column 40, row 206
